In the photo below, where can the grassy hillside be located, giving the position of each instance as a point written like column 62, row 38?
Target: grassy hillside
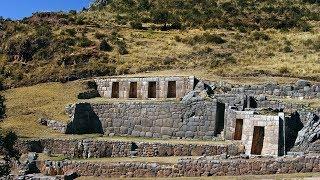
column 25, row 105
column 222, row 38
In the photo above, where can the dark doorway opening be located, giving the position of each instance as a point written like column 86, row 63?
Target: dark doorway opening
column 220, row 118
column 293, row 125
column 115, row 90
column 252, row 102
column 152, row 89
column 238, row 129
column 133, row 90
column 172, row 89
column 257, row 140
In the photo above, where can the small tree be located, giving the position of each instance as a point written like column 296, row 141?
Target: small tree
column 7, row 142
column 161, row 17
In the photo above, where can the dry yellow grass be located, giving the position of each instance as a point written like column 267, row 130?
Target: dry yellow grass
column 27, row 104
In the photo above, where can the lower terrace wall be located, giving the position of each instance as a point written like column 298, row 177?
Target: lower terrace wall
column 188, row 167
column 74, row 148
column 147, row 119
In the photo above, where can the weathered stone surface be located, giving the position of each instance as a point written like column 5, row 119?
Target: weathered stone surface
column 308, row 134
column 100, row 148
column 163, row 118
column 204, row 166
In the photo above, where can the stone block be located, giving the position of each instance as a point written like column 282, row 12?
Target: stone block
column 166, row 131
column 189, row 134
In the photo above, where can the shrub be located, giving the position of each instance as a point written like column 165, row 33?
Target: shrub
column 71, row 32
column 84, row 42
column 122, row 49
column 144, row 5
column 80, row 21
column 8, row 141
column 177, row 38
column 257, row 35
column 120, row 19
column 213, row 38
column 99, row 35
column 316, row 44
column 136, row 25
column 204, row 38
column 284, row 70
column 70, row 41
column 104, row 46
column 43, row 31
column 287, row 49
column 176, row 25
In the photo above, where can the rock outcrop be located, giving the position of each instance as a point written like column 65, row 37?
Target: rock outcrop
column 308, row 134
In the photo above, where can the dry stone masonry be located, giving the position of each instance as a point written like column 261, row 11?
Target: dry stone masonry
column 206, row 166
column 254, row 122
column 185, row 107
column 148, row 119
column 88, row 148
column 145, row 87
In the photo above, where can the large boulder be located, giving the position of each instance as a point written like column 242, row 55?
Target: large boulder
column 200, row 92
column 308, row 134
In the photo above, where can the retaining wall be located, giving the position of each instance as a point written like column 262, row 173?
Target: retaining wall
column 156, row 119
column 102, row 148
column 189, row 167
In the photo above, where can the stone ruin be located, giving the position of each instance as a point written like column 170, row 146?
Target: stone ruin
column 188, row 108
column 251, row 121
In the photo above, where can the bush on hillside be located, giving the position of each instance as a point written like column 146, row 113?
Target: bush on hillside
column 71, row 32
column 84, row 42
column 136, row 25
column 203, row 39
column 122, row 47
column 105, row 46
column 258, row 35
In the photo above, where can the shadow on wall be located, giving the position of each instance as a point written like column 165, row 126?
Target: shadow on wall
column 293, row 126
column 219, row 118
column 85, row 121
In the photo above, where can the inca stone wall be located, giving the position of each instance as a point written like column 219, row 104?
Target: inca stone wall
column 196, row 119
column 187, row 167
column 183, row 86
column 300, row 89
column 86, row 148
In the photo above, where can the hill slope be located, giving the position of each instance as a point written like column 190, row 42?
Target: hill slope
column 225, row 38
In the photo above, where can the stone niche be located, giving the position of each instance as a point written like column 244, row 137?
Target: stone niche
column 145, row 87
column 261, row 134
column 195, row 119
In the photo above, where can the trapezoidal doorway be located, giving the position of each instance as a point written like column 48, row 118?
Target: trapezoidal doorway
column 152, row 89
column 257, row 140
column 115, row 90
column 238, row 129
column 133, row 90
column 172, row 89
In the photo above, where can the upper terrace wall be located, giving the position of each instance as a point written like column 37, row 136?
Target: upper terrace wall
column 145, row 87
column 147, row 118
column 307, row 90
